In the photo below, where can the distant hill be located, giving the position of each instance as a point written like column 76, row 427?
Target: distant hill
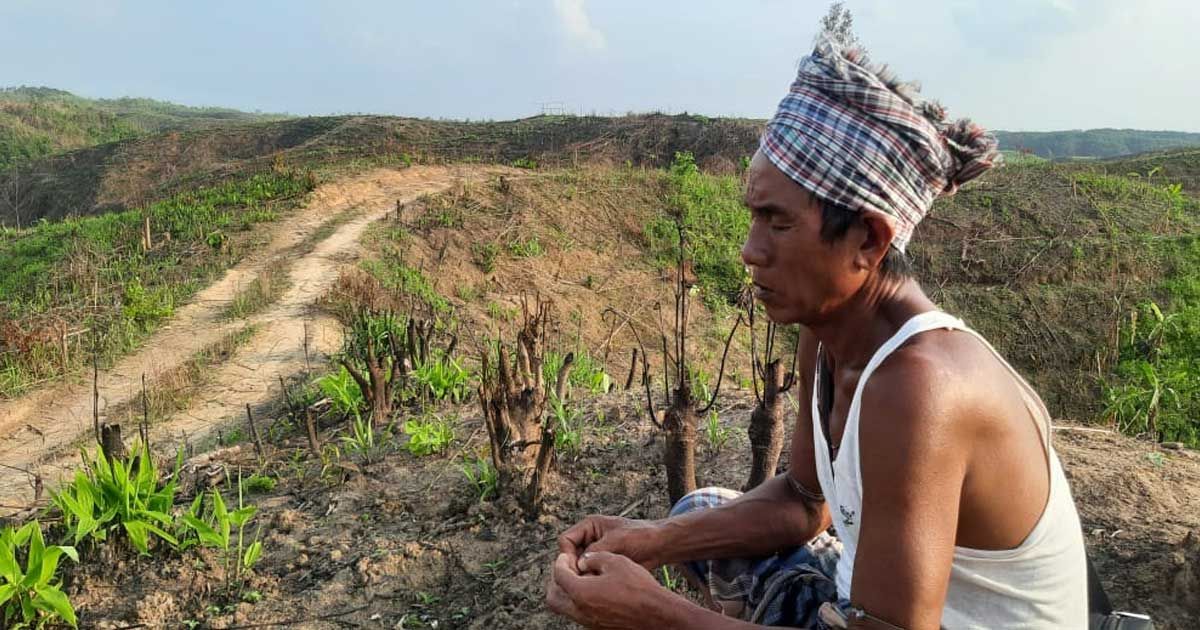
column 39, row 121
column 1094, row 143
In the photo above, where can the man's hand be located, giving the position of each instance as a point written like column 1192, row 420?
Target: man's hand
column 606, row 591
column 636, row 540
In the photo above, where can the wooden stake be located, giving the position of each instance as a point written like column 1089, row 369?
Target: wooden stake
column 258, row 447
column 144, row 429
column 95, row 389
column 311, row 426
column 307, row 365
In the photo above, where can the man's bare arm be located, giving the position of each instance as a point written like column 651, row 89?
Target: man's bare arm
column 782, row 512
column 914, row 456
column 773, row 516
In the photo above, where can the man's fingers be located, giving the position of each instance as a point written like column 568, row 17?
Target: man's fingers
column 565, row 572
column 559, row 602
column 598, row 561
column 579, row 536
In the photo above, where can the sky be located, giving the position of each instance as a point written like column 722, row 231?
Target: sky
column 1032, row 65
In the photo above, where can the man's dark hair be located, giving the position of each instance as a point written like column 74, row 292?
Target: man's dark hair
column 836, row 221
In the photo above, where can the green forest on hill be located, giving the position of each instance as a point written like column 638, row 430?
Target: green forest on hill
column 40, row 121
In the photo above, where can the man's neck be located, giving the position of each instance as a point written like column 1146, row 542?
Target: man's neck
column 851, row 334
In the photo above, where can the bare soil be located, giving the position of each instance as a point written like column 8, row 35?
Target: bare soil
column 405, row 543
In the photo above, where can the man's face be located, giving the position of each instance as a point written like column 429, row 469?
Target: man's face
column 798, row 277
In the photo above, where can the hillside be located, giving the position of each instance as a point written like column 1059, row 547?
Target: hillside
column 133, row 172
column 278, row 249
column 1094, row 143
column 39, row 121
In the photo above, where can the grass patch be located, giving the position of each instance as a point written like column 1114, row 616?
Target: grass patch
column 174, row 390
column 94, row 274
column 264, row 290
column 1155, row 389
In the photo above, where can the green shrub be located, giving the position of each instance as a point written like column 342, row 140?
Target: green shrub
column 30, row 597
column 145, row 307
column 716, row 223
column 484, row 256
column 257, row 483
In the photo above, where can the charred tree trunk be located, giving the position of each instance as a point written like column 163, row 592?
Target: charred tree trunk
column 376, row 386
column 679, row 445
column 514, row 401
column 766, row 426
column 387, row 367
column 111, row 443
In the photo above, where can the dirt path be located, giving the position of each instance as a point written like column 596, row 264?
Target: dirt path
column 37, row 430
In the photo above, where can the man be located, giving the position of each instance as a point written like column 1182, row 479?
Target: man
column 923, row 448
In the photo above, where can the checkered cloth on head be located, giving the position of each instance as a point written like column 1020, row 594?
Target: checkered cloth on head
column 853, row 135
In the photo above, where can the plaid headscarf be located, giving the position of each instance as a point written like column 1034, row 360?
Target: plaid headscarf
column 853, row 135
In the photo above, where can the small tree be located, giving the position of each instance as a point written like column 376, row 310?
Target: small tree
column 387, row 351
column 767, row 421
column 513, row 397
column 680, row 419
column 14, row 196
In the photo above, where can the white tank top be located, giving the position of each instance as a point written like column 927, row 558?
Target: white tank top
column 1042, row 583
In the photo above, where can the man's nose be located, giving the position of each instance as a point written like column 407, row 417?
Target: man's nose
column 754, row 253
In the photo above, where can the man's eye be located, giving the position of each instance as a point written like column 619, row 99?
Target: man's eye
column 781, row 227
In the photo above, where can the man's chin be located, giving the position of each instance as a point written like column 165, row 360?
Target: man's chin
column 780, row 315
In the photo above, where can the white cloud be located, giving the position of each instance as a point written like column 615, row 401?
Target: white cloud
column 574, row 18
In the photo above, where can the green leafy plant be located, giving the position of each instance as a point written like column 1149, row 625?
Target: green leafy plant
column 217, row 531
column 482, row 475
column 114, row 495
column 484, row 256
column 362, row 440
column 145, row 307
column 568, row 436
column 716, row 434
column 30, row 597
column 443, row 378
column 429, row 436
column 343, row 393
column 528, row 248
column 527, row 163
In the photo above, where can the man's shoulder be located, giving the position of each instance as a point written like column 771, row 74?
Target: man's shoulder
column 937, row 381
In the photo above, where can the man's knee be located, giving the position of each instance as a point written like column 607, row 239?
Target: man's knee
column 704, row 498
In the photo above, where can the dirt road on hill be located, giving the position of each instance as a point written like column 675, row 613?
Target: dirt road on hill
column 38, row 431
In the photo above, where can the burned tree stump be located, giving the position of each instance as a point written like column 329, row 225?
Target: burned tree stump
column 513, row 397
column 679, row 446
column 766, row 425
column 767, row 421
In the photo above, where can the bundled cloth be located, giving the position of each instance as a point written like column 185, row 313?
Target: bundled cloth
column 853, row 135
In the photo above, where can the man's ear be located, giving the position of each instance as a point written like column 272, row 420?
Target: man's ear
column 877, row 239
